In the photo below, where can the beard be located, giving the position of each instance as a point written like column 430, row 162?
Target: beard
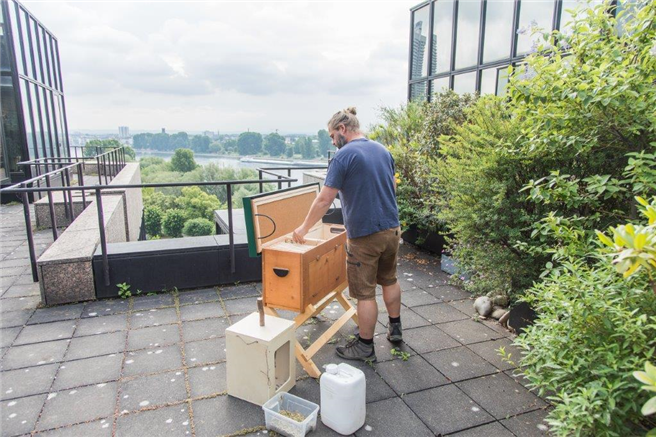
column 340, row 141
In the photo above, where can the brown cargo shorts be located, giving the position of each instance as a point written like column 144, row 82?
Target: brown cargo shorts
column 371, row 260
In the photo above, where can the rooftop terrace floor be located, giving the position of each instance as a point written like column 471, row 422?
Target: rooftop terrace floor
column 155, row 365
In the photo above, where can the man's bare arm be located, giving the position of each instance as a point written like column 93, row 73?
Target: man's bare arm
column 318, row 209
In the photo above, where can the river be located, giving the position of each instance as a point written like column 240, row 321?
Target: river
column 224, row 161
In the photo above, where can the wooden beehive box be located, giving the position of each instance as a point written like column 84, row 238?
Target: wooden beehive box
column 294, row 275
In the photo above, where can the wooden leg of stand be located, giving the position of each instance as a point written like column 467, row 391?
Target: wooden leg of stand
column 308, row 365
column 347, row 306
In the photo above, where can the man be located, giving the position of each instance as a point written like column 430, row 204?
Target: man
column 362, row 171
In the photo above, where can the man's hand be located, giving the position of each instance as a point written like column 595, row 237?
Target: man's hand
column 299, row 234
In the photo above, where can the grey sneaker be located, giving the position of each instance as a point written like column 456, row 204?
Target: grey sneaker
column 394, row 332
column 356, row 350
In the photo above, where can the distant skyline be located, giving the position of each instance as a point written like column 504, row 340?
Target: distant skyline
column 225, row 65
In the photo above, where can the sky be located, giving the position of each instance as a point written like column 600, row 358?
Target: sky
column 228, row 66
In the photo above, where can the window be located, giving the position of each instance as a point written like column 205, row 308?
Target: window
column 26, row 43
column 419, row 91
column 489, row 81
column 469, row 15
column 498, row 30
column 465, row 83
column 502, row 81
column 442, row 36
column 534, row 15
column 419, row 67
column 439, row 85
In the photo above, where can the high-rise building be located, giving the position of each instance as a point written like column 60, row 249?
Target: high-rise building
column 33, row 109
column 163, row 130
column 123, row 132
column 474, row 41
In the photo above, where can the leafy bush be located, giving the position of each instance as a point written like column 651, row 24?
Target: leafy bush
column 197, row 227
column 153, row 220
column 173, row 223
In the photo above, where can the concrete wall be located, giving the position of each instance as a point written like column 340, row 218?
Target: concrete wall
column 65, row 271
column 314, row 176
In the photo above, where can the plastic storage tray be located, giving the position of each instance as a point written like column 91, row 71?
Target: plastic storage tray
column 284, row 425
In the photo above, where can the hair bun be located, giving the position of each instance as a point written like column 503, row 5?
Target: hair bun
column 351, row 110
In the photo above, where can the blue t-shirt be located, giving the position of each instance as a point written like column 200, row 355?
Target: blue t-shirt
column 363, row 172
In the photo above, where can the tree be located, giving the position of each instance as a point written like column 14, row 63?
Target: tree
column 200, row 143
column 183, row 160
column 198, row 227
column 230, row 145
column 298, row 145
column 308, row 151
column 249, row 143
column 97, row 147
column 197, row 204
column 173, row 223
column 324, row 142
column 289, row 153
column 141, row 141
column 160, row 141
column 216, row 147
column 274, row 144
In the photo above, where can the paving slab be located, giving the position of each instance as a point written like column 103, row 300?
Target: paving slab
column 27, row 382
column 428, row 339
column 96, row 345
column 241, row 306
column 207, row 380
column 23, row 291
column 225, row 415
column 469, row 331
column 489, row 350
column 384, row 348
column 491, row 429
column 528, row 425
column 448, row 293
column 242, row 290
column 169, row 421
column 500, row 395
column 152, row 360
column 409, row 376
column 307, row 389
column 204, row 329
column 154, row 336
column 152, row 391
column 98, row 428
column 34, row 354
column 460, row 363
column 88, row 371
column 198, row 296
column 19, row 416
column 106, row 307
column 19, row 303
column 447, row 409
column 205, row 351
column 15, row 318
column 465, row 306
column 8, row 335
column 46, row 332
column 154, row 317
column 201, row 311
column 143, row 303
column 75, row 406
column 101, row 325
column 392, row 417
column 417, row 298
column 440, row 313
column 56, row 314
column 409, row 318
column 377, row 388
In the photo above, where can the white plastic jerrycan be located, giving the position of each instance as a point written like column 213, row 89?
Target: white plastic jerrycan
column 343, row 394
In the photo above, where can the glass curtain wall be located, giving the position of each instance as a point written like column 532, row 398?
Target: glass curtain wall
column 33, row 108
column 474, row 41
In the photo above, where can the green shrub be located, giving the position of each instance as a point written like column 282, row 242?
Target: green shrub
column 197, row 204
column 183, row 160
column 173, row 223
column 153, row 220
column 197, row 227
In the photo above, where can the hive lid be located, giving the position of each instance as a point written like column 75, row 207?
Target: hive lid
column 272, row 215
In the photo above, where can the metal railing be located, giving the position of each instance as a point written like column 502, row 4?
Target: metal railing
column 270, row 171
column 24, row 190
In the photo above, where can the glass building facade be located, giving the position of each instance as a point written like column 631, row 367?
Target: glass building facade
column 467, row 45
column 33, row 110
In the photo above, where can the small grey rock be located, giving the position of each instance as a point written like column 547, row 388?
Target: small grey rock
column 483, row 306
column 498, row 312
column 500, row 300
column 504, row 319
